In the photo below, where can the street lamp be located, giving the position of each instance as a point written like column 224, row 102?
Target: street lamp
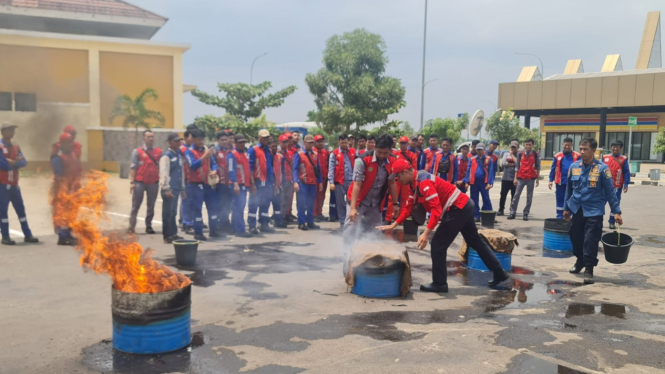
column 542, row 69
column 422, row 90
column 251, row 70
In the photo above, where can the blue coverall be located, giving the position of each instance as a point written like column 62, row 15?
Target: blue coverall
column 198, row 193
column 479, row 184
column 307, row 195
column 589, row 188
column 566, row 161
column 277, row 197
column 264, row 190
column 224, row 196
column 12, row 194
column 239, row 200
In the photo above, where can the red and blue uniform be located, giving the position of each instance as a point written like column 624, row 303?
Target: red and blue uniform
column 480, row 174
column 262, row 170
column 9, row 189
column 67, row 169
column 559, row 176
column 239, row 173
column 620, row 170
column 304, row 165
column 198, row 190
column 461, row 165
column 185, row 213
column 224, row 189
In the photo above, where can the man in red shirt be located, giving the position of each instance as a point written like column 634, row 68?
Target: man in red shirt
column 323, row 155
column 455, row 210
column 403, row 191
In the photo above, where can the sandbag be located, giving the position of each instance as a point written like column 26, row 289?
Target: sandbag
column 499, row 241
column 379, row 254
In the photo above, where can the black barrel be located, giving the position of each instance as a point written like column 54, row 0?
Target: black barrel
column 615, row 252
column 149, row 323
column 487, row 218
column 185, row 251
column 410, row 227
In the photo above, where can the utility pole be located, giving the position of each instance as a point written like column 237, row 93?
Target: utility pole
column 422, row 91
column 251, row 70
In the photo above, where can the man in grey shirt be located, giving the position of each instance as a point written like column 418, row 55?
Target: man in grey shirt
column 340, row 158
column 508, row 161
column 365, row 204
column 527, row 172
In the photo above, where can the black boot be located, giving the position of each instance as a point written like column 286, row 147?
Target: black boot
column 149, row 230
column 243, row 235
column 302, row 227
column 576, row 268
column 217, row 234
column 613, row 226
column 313, row 226
column 200, row 237
column 500, row 212
column 31, row 239
column 512, row 216
column 433, row 287
column 499, row 277
column 588, row 276
column 281, row 225
column 526, row 217
column 8, row 241
column 266, row 229
column 254, row 231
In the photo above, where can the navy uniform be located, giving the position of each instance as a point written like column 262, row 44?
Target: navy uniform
column 589, row 188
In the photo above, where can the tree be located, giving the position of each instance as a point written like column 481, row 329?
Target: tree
column 134, row 110
column 211, row 124
column 447, row 127
column 351, row 88
column 245, row 101
column 659, row 147
column 505, row 126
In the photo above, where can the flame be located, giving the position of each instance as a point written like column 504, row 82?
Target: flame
column 80, row 206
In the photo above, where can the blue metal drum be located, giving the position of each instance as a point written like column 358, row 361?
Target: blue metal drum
column 150, row 323
column 385, row 281
column 556, row 237
column 475, row 263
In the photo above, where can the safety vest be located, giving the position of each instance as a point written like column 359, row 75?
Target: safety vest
column 371, row 171
column 242, row 169
column 260, row 165
column 9, row 176
column 277, row 167
column 462, row 165
column 324, row 155
column 474, row 167
column 147, row 171
column 616, row 168
column 429, row 152
column 339, row 163
column 183, row 149
column 306, row 169
column 451, row 170
column 559, row 157
column 527, row 166
column 494, row 158
column 199, row 175
column 175, row 168
column 222, row 166
column 409, row 156
column 287, row 161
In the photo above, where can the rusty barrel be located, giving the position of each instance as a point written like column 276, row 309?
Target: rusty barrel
column 149, row 323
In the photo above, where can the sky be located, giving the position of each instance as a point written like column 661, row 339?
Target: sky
column 471, row 45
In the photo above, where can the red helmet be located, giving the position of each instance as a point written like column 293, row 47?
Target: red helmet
column 69, row 129
column 66, row 137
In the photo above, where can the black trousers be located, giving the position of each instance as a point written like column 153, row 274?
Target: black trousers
column 452, row 223
column 169, row 213
column 505, row 187
column 585, row 233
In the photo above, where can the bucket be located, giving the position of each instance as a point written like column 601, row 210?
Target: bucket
column 185, row 251
column 383, row 281
column 487, row 218
column 555, row 235
column 150, row 323
column 616, row 253
column 410, row 227
column 475, row 263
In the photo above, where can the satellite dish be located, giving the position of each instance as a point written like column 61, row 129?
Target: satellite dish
column 476, row 123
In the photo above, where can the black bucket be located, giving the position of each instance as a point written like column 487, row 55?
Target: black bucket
column 410, row 227
column 557, row 225
column 185, row 251
column 616, row 253
column 487, row 218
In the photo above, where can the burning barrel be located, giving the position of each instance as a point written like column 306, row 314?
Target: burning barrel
column 149, row 323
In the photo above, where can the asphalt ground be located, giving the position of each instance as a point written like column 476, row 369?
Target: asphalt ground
column 278, row 304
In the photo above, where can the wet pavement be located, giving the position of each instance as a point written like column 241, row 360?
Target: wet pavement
column 278, row 304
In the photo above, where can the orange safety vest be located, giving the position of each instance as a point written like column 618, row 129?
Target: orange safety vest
column 474, row 167
column 260, row 165
column 147, row 171
column 616, row 168
column 559, row 157
column 306, row 169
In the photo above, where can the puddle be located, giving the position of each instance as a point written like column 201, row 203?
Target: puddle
column 206, row 278
column 526, row 364
column 610, row 310
column 254, row 290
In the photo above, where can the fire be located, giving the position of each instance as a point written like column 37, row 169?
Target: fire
column 131, row 268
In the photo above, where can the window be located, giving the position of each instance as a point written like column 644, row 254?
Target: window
column 25, row 102
column 6, row 101
column 641, row 149
column 553, row 141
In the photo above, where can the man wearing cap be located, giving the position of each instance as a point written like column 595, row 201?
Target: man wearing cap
column 443, row 162
column 447, row 204
column 340, row 175
column 11, row 161
column 480, row 176
column 201, row 185
column 144, row 179
column 324, row 155
column 224, row 188
column 426, row 162
column 306, row 180
column 462, row 165
column 403, row 192
column 242, row 180
column 370, row 184
column 559, row 172
column 76, row 147
column 172, row 185
column 262, row 169
column 508, row 162
column 527, row 170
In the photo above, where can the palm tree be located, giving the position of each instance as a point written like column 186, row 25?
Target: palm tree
column 135, row 112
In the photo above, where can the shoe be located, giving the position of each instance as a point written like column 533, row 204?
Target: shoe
column 289, row 219
column 243, row 235
column 190, row 231
column 512, row 216
column 187, row 227
column 217, row 234
column 267, row 229
column 130, row 232
column 577, row 268
column 281, row 225
column 61, row 241
column 303, row 227
column 477, row 219
column 613, row 226
column 499, row 213
column 335, row 219
column 293, row 217
column 440, row 288
column 149, row 230
column 499, row 276
column 526, row 217
column 168, row 240
column 588, row 276
column 205, row 226
column 313, row 226
column 253, row 231
column 31, row 239
column 8, row 242
column 200, row 237
column 177, row 237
